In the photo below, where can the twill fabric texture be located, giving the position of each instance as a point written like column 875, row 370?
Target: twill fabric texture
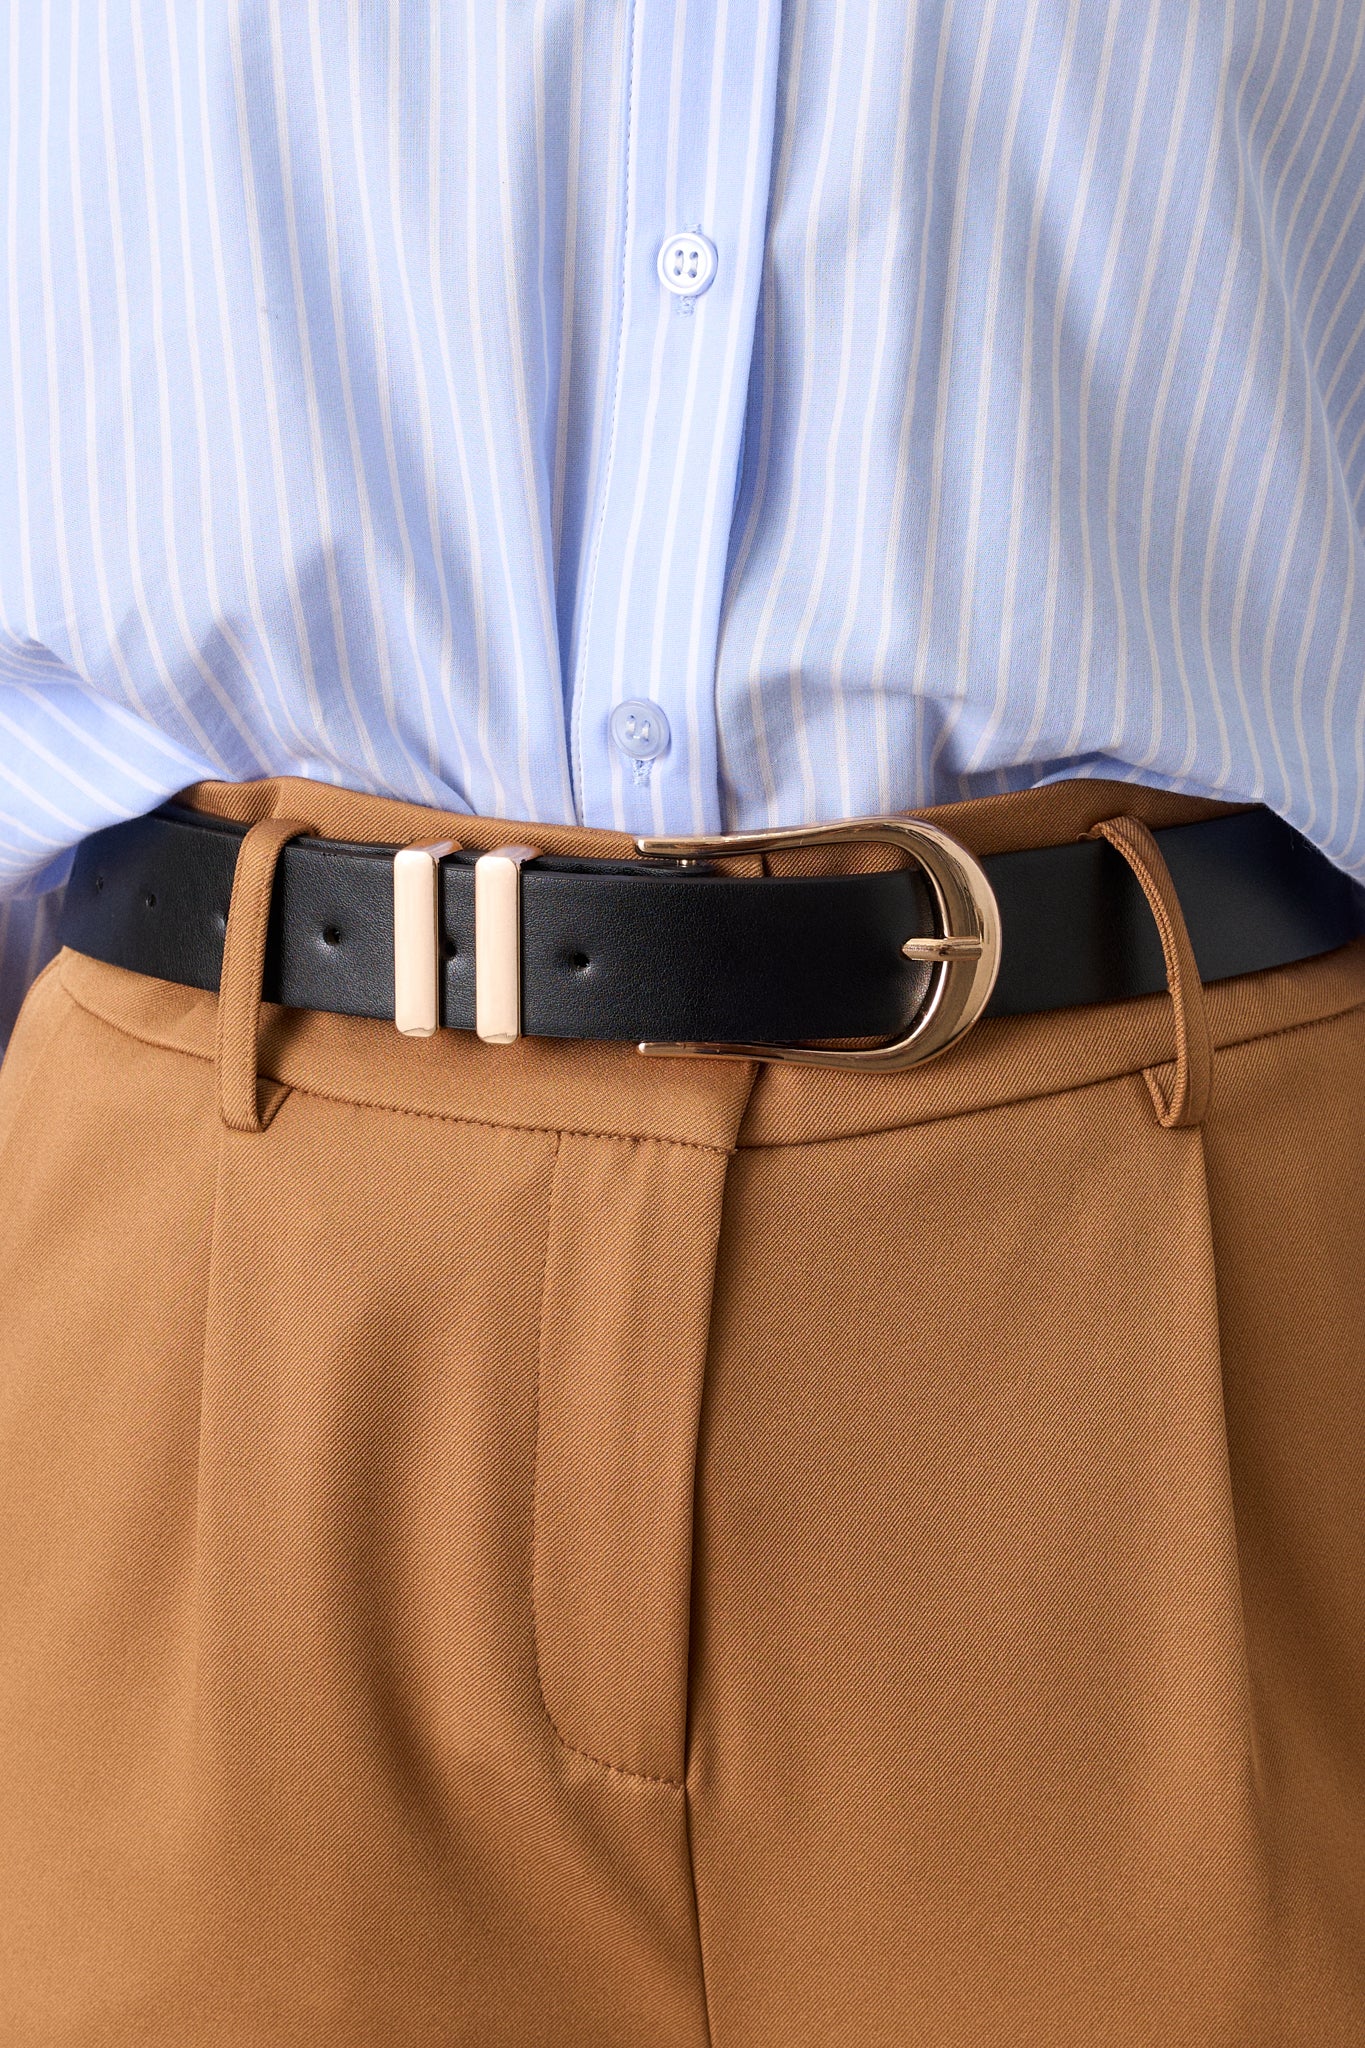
column 348, row 431
column 535, row 1546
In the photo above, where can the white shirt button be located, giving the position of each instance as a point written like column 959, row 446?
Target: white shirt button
column 687, row 264
column 639, row 729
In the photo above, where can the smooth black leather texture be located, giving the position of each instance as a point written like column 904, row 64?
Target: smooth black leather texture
column 631, row 950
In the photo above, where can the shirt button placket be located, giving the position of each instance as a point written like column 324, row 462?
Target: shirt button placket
column 644, row 737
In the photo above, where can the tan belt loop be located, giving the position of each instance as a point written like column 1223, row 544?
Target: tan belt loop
column 239, row 989
column 1188, row 1100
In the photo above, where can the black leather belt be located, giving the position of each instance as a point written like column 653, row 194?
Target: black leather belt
column 652, row 951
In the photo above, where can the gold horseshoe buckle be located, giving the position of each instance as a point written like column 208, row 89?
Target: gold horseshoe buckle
column 965, row 950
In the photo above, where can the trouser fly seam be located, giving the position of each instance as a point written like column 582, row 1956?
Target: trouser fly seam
column 602, row 1763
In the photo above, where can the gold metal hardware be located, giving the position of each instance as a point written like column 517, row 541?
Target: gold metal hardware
column 416, row 937
column 497, row 943
column 941, row 949
column 965, row 951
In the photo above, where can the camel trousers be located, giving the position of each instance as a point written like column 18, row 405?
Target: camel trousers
column 545, row 1548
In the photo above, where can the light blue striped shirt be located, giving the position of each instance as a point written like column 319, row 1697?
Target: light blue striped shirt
column 349, row 429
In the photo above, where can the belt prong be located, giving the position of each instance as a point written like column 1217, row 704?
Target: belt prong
column 934, row 949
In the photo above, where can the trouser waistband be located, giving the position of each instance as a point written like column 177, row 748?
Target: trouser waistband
column 705, row 952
